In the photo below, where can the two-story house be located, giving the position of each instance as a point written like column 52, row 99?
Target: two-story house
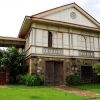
column 61, row 41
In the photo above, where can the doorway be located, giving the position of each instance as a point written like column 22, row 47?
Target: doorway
column 54, row 74
column 86, row 73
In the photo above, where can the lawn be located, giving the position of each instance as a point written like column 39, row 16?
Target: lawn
column 90, row 87
column 36, row 93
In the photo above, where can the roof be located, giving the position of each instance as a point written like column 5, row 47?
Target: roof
column 11, row 41
column 41, row 14
column 39, row 17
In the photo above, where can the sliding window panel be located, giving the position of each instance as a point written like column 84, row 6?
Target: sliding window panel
column 39, row 37
column 88, row 43
column 82, row 42
column 96, row 45
column 32, row 37
column 59, row 40
column 45, row 38
column 92, row 43
column 54, row 39
column 27, row 42
column 75, row 41
column 79, row 42
column 65, row 40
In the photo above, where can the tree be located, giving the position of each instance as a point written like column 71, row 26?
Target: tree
column 1, row 55
column 96, row 67
column 13, row 60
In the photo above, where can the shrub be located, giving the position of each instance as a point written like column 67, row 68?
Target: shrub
column 96, row 78
column 73, row 79
column 31, row 80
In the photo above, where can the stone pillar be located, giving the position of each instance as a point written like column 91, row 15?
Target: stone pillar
column 30, row 66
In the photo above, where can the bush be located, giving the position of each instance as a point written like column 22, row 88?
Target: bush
column 96, row 78
column 73, row 79
column 31, row 80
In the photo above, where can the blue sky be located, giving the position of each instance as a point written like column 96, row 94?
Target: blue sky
column 12, row 12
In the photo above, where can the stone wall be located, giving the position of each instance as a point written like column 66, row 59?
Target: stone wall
column 70, row 65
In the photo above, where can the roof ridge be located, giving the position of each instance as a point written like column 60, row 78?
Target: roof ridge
column 53, row 8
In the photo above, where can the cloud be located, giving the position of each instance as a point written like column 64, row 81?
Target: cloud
column 82, row 3
column 97, row 6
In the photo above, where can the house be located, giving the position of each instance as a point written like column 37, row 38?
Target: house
column 61, row 41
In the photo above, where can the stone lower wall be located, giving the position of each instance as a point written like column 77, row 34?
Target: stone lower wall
column 70, row 65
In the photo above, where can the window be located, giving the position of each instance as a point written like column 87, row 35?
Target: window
column 96, row 45
column 65, row 40
column 75, row 42
column 57, row 40
column 39, row 34
column 49, row 39
column 45, row 38
column 92, row 43
column 88, row 43
column 82, row 42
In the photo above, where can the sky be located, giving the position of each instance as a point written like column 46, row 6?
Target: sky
column 12, row 12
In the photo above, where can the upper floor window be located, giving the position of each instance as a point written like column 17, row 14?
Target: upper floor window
column 82, row 42
column 57, row 40
column 49, row 39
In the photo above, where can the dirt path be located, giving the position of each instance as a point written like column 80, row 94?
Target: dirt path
column 79, row 91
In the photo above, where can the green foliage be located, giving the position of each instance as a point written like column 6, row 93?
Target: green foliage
column 13, row 60
column 2, row 52
column 73, row 79
column 96, row 68
column 31, row 80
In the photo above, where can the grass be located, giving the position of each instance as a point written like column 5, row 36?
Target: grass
column 90, row 87
column 36, row 93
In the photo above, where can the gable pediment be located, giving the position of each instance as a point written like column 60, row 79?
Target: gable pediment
column 71, row 13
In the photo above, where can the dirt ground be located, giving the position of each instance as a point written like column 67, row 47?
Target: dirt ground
column 79, row 91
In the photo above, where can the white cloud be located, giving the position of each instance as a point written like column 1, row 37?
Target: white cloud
column 97, row 6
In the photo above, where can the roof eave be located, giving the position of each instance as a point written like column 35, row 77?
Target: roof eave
column 25, row 27
column 60, row 23
column 29, row 20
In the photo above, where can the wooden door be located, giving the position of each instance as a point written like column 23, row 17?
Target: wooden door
column 58, row 73
column 54, row 73
column 49, row 72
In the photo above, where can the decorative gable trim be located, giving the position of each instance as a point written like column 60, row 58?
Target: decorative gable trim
column 82, row 11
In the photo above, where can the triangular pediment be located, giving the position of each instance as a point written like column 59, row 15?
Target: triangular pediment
column 70, row 13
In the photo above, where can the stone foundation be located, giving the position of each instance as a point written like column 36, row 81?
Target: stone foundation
column 70, row 65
